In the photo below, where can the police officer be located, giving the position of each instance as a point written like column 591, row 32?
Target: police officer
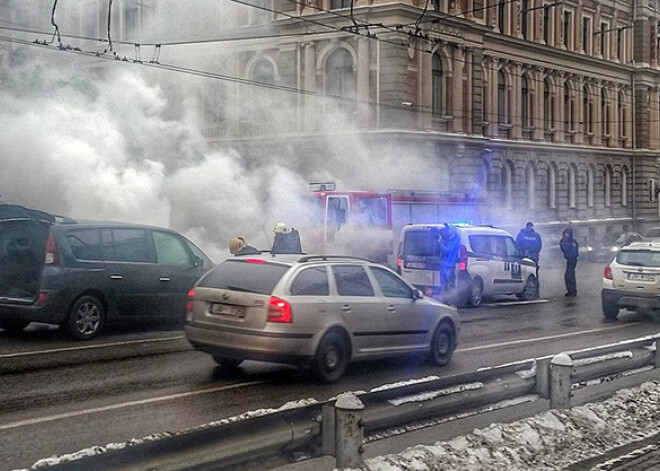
column 571, row 250
column 530, row 244
column 449, row 249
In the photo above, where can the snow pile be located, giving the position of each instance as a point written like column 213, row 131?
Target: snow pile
column 548, row 441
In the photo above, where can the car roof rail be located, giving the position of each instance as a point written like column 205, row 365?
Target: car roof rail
column 310, row 258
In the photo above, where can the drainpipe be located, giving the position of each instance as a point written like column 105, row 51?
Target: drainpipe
column 634, row 126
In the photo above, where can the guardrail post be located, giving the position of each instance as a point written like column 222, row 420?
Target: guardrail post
column 656, row 362
column 561, row 367
column 349, row 431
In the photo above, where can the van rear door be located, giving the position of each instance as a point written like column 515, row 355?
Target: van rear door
column 420, row 263
column 23, row 235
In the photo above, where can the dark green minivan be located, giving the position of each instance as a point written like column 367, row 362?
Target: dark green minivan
column 85, row 274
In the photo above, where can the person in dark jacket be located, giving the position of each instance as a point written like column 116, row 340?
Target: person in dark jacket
column 571, row 250
column 238, row 246
column 449, row 245
column 530, row 244
column 286, row 239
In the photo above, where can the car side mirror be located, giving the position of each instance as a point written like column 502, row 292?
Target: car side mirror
column 417, row 294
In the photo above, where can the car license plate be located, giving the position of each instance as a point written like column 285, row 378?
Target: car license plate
column 416, row 265
column 641, row 277
column 227, row 310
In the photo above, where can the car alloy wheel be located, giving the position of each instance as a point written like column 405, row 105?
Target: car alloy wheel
column 85, row 318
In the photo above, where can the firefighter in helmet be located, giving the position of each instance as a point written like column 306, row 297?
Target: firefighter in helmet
column 286, row 239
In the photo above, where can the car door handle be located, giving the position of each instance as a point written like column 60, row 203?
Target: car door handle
column 116, row 277
column 391, row 309
column 164, row 278
column 346, row 308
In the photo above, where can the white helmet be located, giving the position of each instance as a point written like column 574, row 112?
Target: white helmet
column 281, row 228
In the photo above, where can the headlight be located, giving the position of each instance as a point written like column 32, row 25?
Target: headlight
column 590, row 248
column 614, row 249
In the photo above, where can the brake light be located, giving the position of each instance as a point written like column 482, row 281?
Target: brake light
column 608, row 272
column 279, row 310
column 462, row 258
column 52, row 258
column 254, row 260
column 191, row 295
column 399, row 262
column 41, row 300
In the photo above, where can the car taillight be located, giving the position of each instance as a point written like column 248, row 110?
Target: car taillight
column 279, row 310
column 191, row 295
column 399, row 262
column 608, row 272
column 462, row 258
column 52, row 258
column 41, row 300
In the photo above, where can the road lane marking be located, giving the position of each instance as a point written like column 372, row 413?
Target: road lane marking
column 549, row 337
column 88, row 347
column 517, row 303
column 123, row 405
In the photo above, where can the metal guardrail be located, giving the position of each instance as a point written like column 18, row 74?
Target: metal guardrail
column 339, row 427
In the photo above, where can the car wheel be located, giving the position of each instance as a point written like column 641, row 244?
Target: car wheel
column 442, row 344
column 610, row 311
column 13, row 326
column 227, row 365
column 85, row 318
column 331, row 359
column 475, row 293
column 530, row 289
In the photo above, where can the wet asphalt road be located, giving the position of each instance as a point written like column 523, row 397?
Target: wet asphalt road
column 58, row 396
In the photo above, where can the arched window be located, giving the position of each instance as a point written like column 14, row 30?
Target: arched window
column 552, row 186
column 531, row 186
column 608, row 186
column 502, row 115
column 624, row 186
column 572, row 186
column 586, row 111
column 524, row 101
column 547, row 106
column 507, row 184
column 591, row 184
column 340, row 80
column 437, row 85
column 567, row 107
column 263, row 72
column 259, row 104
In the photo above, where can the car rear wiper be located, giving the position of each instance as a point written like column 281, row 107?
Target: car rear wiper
column 236, row 288
column 636, row 264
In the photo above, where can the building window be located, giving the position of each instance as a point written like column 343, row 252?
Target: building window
column 619, row 44
column 586, row 111
column 338, row 4
column 524, row 99
column 260, row 12
column 608, row 186
column 602, row 42
column 621, row 114
column 546, row 24
column 568, row 30
column 572, row 186
column 591, row 182
column 547, row 106
column 624, row 186
column 437, row 86
column 89, row 21
column 502, row 115
column 604, row 112
column 130, row 22
column 507, row 184
column 340, row 80
column 478, row 8
column 552, row 186
column 501, row 17
column 531, row 187
column 586, row 35
column 524, row 18
column 567, row 108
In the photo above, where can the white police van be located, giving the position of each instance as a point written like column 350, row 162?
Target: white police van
column 489, row 264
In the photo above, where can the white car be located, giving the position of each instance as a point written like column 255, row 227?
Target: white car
column 632, row 280
column 490, row 263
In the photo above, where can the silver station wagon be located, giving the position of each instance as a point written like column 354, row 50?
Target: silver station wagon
column 314, row 310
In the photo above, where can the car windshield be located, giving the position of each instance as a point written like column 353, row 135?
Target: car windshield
column 245, row 275
column 639, row 258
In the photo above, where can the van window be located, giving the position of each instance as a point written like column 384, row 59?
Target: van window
column 126, row 245
column 511, row 247
column 352, row 281
column 170, row 250
column 480, row 244
column 85, row 243
column 422, row 243
column 311, row 282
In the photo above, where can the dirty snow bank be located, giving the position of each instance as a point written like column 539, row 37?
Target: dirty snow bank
column 548, row 441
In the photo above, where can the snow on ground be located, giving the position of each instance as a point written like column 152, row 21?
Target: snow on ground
column 548, row 441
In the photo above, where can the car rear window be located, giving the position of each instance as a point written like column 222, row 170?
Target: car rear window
column 639, row 258
column 421, row 243
column 242, row 275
